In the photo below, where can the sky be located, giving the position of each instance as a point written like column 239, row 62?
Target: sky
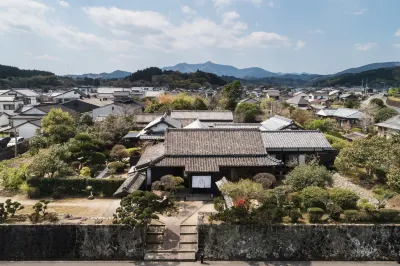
column 290, row 36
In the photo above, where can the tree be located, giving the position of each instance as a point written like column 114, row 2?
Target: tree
column 393, row 179
column 382, row 196
column 344, row 198
column 301, row 116
column 247, row 112
column 266, row 179
column 370, row 154
column 352, row 104
column 113, row 128
column 231, row 94
column 182, row 102
column 59, row 125
column 315, row 197
column 199, row 104
column 377, row 102
column 96, row 83
column 384, row 114
column 38, row 142
column 244, row 191
column 119, row 152
column 168, row 183
column 86, row 149
column 138, row 209
column 306, row 175
column 51, row 162
column 323, row 125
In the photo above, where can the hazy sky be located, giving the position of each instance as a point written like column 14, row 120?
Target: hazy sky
column 315, row 36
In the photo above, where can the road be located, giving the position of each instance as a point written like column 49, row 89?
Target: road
column 379, row 96
column 216, row 263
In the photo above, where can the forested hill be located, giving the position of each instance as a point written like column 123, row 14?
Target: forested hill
column 9, row 71
column 175, row 79
column 376, row 78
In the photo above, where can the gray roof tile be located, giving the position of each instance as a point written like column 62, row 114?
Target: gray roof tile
column 295, row 139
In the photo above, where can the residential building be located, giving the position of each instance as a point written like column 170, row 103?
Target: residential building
column 344, row 116
column 318, row 96
column 86, row 105
column 116, row 108
column 28, row 129
column 107, row 93
column 28, row 97
column 250, row 100
column 295, row 146
column 10, row 104
column 280, row 123
column 299, row 101
column 207, row 117
column 272, row 94
column 348, row 96
column 389, row 127
column 142, row 120
column 67, row 96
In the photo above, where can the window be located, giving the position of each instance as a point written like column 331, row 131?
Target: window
column 9, row 107
column 112, row 108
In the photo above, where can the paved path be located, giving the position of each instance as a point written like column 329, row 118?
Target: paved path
column 216, row 263
column 342, row 182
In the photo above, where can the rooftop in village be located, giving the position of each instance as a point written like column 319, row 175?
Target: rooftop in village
column 342, row 113
column 392, row 123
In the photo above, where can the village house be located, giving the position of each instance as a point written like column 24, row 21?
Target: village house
column 389, row 127
column 86, row 105
column 278, row 122
column 344, row 116
column 204, row 156
column 207, row 117
column 250, row 100
column 27, row 96
column 116, row 108
column 272, row 94
column 299, row 101
column 318, row 96
column 66, row 96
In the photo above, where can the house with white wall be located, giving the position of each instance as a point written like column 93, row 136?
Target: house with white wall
column 318, row 96
column 67, row 96
column 115, row 108
column 27, row 96
column 28, row 129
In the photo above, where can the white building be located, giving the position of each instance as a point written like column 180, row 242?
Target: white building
column 28, row 129
column 9, row 104
column 66, row 96
column 114, row 108
column 28, row 97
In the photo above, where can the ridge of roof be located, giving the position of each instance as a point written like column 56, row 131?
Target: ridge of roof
column 213, row 129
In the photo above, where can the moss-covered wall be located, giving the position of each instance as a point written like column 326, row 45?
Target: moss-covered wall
column 70, row 242
column 300, row 242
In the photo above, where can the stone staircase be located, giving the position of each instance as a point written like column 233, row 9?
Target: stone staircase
column 171, row 244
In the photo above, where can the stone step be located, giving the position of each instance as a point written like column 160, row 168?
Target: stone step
column 154, row 247
column 189, row 238
column 166, row 255
column 154, row 238
column 188, row 246
column 155, row 228
column 188, row 229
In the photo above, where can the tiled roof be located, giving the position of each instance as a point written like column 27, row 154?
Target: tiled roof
column 146, row 118
column 213, row 142
column 164, row 118
column 151, row 154
column 342, row 113
column 239, row 125
column 393, row 123
column 297, row 100
column 294, row 139
column 197, row 124
column 272, row 92
column 132, row 183
column 212, row 163
column 203, row 115
column 277, row 123
column 27, row 92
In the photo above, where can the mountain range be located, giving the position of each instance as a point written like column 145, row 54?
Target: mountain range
column 117, row 74
column 259, row 73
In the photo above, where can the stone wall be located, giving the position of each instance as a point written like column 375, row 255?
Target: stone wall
column 70, row 242
column 300, row 242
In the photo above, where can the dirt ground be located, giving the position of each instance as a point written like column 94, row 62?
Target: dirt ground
column 81, row 209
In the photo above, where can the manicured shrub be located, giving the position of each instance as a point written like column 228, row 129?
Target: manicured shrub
column 56, row 195
column 295, row 215
column 266, row 179
column 295, row 198
column 306, row 175
column 75, row 186
column 119, row 167
column 315, row 215
column 334, row 212
column 387, row 216
column 364, row 205
column 351, row 216
column 33, row 192
column 219, row 204
column 344, row 198
column 85, row 172
column 314, row 197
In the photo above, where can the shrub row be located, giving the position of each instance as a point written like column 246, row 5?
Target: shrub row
column 380, row 216
column 73, row 186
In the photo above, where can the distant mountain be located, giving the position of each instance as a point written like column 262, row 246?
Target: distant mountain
column 377, row 78
column 373, row 66
column 222, row 70
column 10, row 71
column 117, row 74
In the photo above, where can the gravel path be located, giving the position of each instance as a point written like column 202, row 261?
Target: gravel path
column 342, row 182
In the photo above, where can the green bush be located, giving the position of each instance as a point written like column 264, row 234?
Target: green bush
column 119, row 167
column 344, row 198
column 56, row 195
column 334, row 212
column 75, row 186
column 219, row 204
column 364, row 205
column 33, row 192
column 314, row 197
column 295, row 198
column 306, row 175
column 295, row 215
column 315, row 215
column 351, row 216
column 387, row 216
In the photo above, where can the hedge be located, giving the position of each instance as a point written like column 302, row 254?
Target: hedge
column 75, row 186
column 380, row 216
column 315, row 215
